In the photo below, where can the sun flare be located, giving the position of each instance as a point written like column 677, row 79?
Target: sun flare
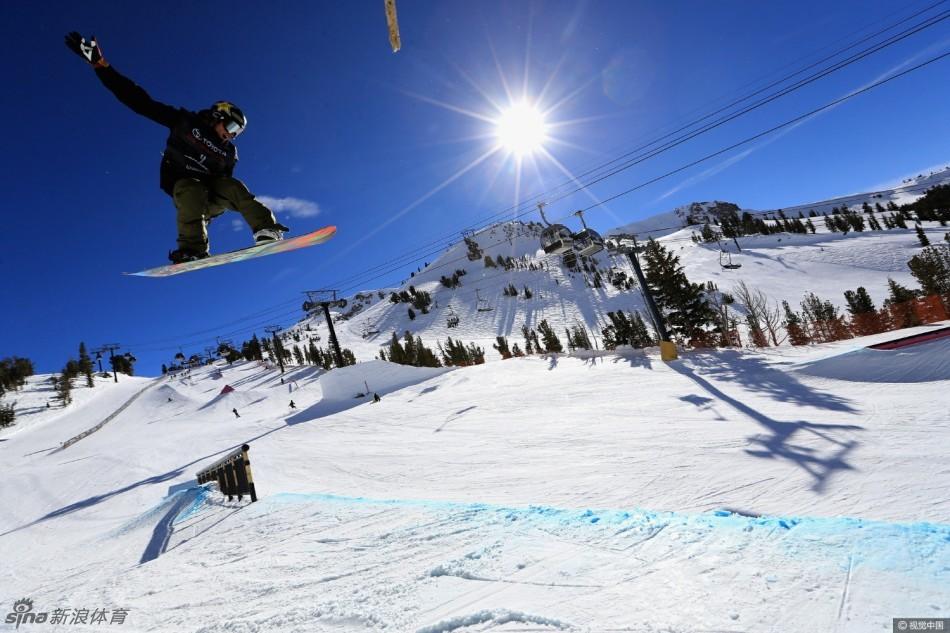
column 521, row 129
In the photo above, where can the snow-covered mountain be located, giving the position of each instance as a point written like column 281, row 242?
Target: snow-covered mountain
column 490, row 299
column 698, row 213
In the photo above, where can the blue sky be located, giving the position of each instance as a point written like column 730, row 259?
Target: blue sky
column 396, row 149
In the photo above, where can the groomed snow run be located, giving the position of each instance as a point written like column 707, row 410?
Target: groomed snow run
column 793, row 489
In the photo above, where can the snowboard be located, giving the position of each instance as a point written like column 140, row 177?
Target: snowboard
column 260, row 250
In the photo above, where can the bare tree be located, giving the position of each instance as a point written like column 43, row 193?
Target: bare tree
column 761, row 314
column 772, row 320
column 756, row 305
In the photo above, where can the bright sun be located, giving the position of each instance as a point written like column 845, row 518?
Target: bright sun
column 521, row 129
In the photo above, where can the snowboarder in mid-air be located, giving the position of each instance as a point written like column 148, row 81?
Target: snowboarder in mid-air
column 198, row 161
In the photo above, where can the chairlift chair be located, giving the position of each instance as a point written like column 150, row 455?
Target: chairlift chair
column 727, row 262
column 451, row 318
column 482, row 305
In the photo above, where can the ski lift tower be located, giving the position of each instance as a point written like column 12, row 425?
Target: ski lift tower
column 111, row 348
column 628, row 244
column 326, row 299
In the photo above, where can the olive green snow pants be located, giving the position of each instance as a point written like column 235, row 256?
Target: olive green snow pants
column 199, row 202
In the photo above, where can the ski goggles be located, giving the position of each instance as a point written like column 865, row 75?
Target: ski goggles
column 234, row 128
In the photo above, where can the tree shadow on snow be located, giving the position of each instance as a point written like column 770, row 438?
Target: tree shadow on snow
column 753, row 373
column 633, row 357
column 776, row 444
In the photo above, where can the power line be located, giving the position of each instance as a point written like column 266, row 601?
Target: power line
column 762, row 102
column 792, row 121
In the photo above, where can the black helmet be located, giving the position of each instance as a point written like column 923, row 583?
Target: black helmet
column 231, row 115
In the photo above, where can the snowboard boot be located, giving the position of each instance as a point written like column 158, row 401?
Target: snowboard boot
column 180, row 256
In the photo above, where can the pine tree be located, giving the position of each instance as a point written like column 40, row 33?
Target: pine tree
column 64, row 388
column 931, row 269
column 859, row 301
column 899, row 306
column 124, row 364
column 474, row 251
column 314, row 353
column 899, row 293
column 530, row 340
column 411, row 352
column 85, row 365
column 396, row 352
column 502, row 347
column 793, row 325
column 921, row 236
column 349, row 358
column 630, row 331
column 688, row 311
column 456, row 354
column 552, row 344
column 864, row 317
column 13, row 373
column 7, row 414
column 823, row 320
column 577, row 338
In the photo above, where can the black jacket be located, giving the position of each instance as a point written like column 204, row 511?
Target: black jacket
column 193, row 149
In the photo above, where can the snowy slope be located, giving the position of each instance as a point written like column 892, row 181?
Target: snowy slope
column 784, row 266
column 728, row 491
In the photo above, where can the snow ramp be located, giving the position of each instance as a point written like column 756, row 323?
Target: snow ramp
column 347, row 387
column 927, row 361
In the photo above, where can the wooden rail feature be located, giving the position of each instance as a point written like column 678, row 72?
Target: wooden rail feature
column 232, row 474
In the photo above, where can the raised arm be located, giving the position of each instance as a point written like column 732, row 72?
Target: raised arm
column 125, row 90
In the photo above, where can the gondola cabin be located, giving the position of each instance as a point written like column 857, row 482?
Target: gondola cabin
column 588, row 242
column 557, row 239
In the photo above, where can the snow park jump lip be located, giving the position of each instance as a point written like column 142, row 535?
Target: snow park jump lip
column 914, row 339
column 915, row 359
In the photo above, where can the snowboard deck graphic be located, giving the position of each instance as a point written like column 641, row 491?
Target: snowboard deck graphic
column 270, row 248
